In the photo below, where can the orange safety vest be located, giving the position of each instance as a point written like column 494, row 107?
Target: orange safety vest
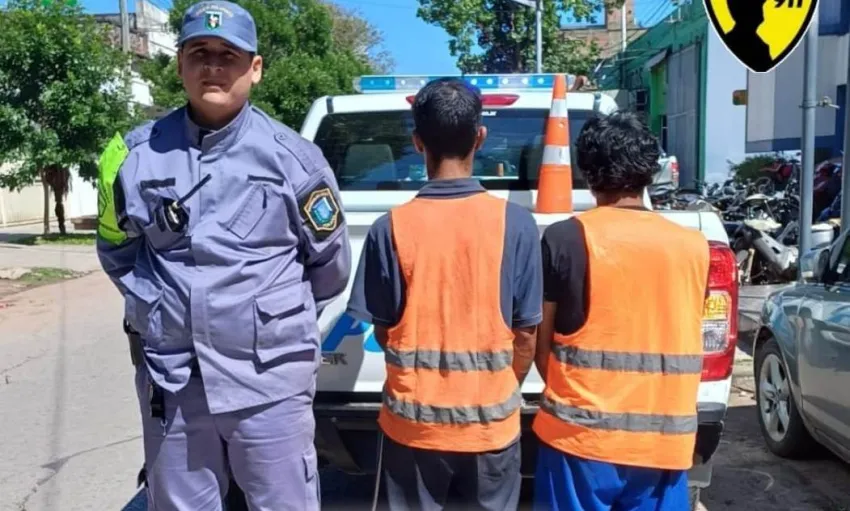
column 623, row 388
column 450, row 384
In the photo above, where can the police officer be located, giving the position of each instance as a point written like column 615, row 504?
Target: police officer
column 235, row 241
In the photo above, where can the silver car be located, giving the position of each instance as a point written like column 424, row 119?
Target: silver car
column 802, row 358
column 669, row 173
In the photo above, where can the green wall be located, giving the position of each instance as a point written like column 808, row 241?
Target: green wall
column 627, row 70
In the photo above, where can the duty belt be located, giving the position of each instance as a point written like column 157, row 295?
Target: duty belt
column 137, row 354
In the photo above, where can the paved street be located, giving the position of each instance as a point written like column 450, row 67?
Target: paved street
column 71, row 435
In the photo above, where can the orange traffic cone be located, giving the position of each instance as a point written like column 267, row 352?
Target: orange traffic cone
column 555, row 188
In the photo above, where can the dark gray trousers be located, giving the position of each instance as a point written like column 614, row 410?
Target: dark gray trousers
column 416, row 479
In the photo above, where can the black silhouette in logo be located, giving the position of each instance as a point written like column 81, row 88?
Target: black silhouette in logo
column 743, row 39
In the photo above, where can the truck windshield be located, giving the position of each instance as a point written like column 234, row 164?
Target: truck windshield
column 373, row 150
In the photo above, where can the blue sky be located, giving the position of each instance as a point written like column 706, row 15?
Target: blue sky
column 418, row 48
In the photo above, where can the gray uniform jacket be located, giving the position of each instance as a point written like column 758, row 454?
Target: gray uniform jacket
column 236, row 294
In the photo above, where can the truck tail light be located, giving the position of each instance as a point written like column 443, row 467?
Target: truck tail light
column 489, row 99
column 720, row 314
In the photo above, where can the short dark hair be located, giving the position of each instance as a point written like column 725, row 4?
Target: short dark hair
column 617, row 153
column 446, row 116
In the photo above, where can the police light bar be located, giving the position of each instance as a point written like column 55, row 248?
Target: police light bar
column 372, row 84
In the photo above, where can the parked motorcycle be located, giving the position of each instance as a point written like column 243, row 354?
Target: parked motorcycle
column 762, row 259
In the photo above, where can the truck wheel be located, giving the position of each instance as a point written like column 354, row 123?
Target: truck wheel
column 693, row 498
column 781, row 425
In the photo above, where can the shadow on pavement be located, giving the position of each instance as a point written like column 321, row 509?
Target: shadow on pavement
column 13, row 237
column 340, row 492
column 746, row 476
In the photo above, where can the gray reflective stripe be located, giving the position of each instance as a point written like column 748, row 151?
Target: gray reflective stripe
column 619, row 361
column 453, row 415
column 451, row 360
column 634, row 422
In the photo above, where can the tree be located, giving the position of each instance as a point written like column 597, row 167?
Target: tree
column 351, row 30
column 505, row 33
column 304, row 56
column 62, row 96
column 750, row 168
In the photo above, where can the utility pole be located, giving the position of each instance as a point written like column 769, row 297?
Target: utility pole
column 845, row 174
column 537, row 5
column 125, row 26
column 624, row 31
column 538, row 22
column 810, row 105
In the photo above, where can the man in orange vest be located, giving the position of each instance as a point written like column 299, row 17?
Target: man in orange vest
column 620, row 345
column 453, row 284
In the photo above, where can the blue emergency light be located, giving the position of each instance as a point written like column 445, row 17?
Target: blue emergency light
column 372, row 84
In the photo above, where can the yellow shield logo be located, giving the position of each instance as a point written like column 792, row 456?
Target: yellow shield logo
column 761, row 33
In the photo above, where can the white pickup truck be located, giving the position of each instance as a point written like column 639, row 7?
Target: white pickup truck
column 366, row 139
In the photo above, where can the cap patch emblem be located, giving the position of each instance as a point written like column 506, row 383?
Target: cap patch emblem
column 212, row 20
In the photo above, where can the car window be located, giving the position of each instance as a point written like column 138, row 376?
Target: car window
column 373, row 150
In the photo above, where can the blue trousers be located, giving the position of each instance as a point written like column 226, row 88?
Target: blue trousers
column 568, row 483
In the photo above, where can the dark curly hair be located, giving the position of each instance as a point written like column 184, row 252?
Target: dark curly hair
column 617, row 153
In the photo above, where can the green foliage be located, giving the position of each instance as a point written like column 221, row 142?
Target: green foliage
column 750, row 167
column 351, row 30
column 505, row 33
column 304, row 58
column 62, row 90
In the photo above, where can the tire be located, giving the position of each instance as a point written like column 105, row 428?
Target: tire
column 791, row 440
column 693, row 498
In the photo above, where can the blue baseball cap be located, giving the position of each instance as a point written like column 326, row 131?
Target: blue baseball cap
column 224, row 20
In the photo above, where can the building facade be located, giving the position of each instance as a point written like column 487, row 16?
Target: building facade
column 609, row 35
column 680, row 75
column 774, row 116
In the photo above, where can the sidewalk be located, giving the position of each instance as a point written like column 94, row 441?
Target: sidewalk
column 77, row 258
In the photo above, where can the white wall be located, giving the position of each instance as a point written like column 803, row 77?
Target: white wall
column 725, row 131
column 773, row 111
column 154, row 21
column 82, row 200
column 26, row 205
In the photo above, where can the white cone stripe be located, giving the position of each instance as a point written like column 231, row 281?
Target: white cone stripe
column 559, row 109
column 556, row 155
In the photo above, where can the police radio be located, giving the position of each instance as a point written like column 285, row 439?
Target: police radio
column 173, row 215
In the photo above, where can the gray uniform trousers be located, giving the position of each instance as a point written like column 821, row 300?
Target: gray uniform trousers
column 191, row 454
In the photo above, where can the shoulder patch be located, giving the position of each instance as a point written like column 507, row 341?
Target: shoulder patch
column 141, row 134
column 320, row 210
